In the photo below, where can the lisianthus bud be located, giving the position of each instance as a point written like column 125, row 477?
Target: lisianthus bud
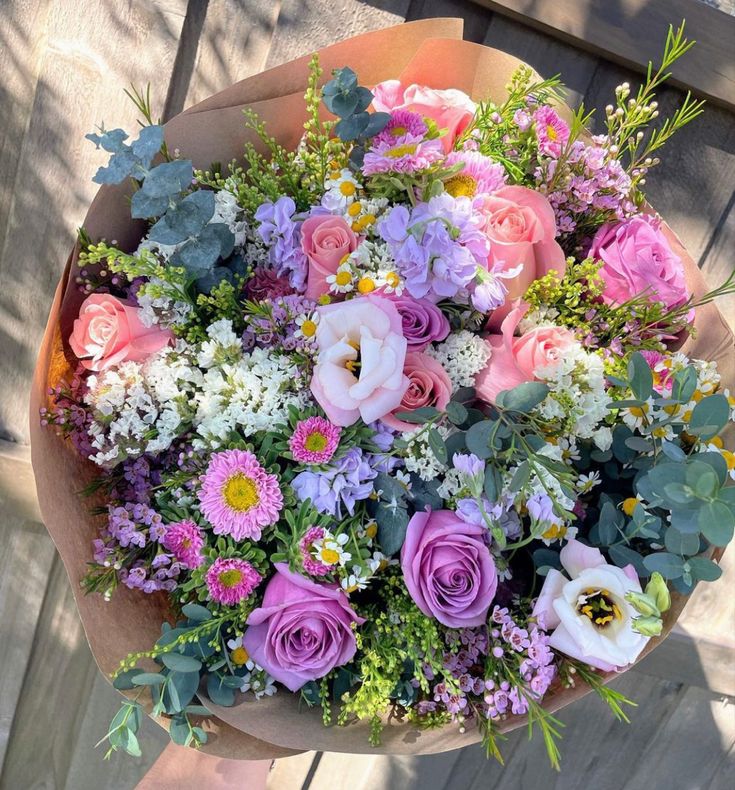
column 648, row 626
column 657, row 589
column 643, row 604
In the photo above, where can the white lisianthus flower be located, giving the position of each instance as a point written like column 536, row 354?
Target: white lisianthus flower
column 588, row 614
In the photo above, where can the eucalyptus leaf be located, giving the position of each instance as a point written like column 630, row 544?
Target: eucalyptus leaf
column 704, row 569
column 640, row 376
column 668, row 565
column 392, row 524
column 196, row 612
column 525, row 397
column 219, row 693
column 716, row 522
column 684, row 543
column 709, row 416
column 181, row 663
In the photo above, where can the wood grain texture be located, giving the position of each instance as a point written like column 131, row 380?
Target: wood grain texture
column 632, row 33
column 69, row 64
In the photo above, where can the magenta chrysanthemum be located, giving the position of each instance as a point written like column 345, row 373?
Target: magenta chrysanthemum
column 311, row 565
column 401, row 124
column 402, row 147
column 314, row 441
column 238, row 497
column 230, row 581
column 184, row 539
column 551, row 132
column 479, row 174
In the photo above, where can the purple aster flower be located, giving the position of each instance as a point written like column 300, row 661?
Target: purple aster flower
column 437, row 245
column 343, row 483
column 282, row 235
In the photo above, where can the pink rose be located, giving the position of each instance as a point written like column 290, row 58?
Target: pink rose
column 451, row 109
column 521, row 226
column 590, row 618
column 325, row 239
column 515, row 360
column 359, row 372
column 302, row 631
column 637, row 257
column 428, row 385
column 109, row 332
column 448, row 568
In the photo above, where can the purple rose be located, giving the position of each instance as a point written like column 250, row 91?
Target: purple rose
column 423, row 322
column 448, row 568
column 637, row 257
column 302, row 630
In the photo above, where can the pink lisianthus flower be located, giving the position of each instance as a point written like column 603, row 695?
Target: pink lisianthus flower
column 109, row 332
column 590, row 618
column 515, row 360
column 451, row 109
column 637, row 258
column 521, row 227
column 359, row 371
column 429, row 385
column 302, row 631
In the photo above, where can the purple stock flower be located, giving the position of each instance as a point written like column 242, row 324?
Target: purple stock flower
column 468, row 465
column 437, row 245
column 282, row 235
column 343, row 483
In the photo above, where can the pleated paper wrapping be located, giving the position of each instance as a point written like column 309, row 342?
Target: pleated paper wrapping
column 428, row 52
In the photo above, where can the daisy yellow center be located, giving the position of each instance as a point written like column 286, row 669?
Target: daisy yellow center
column 344, row 258
column 371, row 530
column 599, row 606
column 551, row 132
column 629, row 505
column 240, row 493
column 398, row 131
column 461, row 185
column 230, row 578
column 639, row 411
column 729, row 459
column 392, row 279
column 366, row 285
column 347, row 188
column 402, row 150
column 343, row 278
column 329, row 556
column 308, row 328
column 717, row 441
column 324, row 299
column 239, row 656
column 354, row 209
column 316, row 442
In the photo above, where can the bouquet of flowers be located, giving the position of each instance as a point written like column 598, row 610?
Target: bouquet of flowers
column 398, row 418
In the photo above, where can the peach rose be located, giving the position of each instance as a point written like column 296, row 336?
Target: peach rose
column 451, row 109
column 325, row 239
column 109, row 332
column 515, row 360
column 359, row 371
column 521, row 227
column 428, row 385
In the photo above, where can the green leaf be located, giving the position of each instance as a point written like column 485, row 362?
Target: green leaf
column 525, row 397
column 703, row 569
column 419, row 416
column 148, row 679
column 196, row 612
column 392, row 524
column 684, row 543
column 478, row 439
column 640, row 375
column 456, row 412
column 181, row 663
column 490, row 485
column 129, row 742
column 180, row 690
column 709, row 416
column 623, row 555
column 124, row 681
column 179, row 731
column 521, row 476
column 684, row 385
column 437, row 445
column 668, row 565
column 716, row 522
column 219, row 693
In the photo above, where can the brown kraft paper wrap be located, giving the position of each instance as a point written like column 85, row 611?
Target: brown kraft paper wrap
column 428, row 52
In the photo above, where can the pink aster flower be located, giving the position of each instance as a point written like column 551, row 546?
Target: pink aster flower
column 314, row 441
column 479, row 175
column 311, row 565
column 230, row 581
column 401, row 124
column 238, row 497
column 401, row 147
column 184, row 539
column 552, row 133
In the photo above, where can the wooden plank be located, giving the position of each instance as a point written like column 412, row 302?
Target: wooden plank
column 632, row 33
column 89, row 51
column 304, row 26
column 58, row 681
column 293, row 773
column 476, row 19
column 717, row 260
column 547, row 55
column 17, row 484
column 25, row 561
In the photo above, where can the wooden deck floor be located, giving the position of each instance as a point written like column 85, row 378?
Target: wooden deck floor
column 59, row 80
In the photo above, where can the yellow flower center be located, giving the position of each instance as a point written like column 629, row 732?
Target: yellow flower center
column 230, row 578
column 354, row 209
column 365, row 285
column 371, row 530
column 344, row 258
column 347, row 188
column 392, row 279
column 555, row 532
column 629, row 505
column 329, row 556
column 343, row 278
column 639, row 411
column 717, row 441
column 363, row 222
column 461, row 185
column 551, row 132
column 316, row 442
column 729, row 459
column 599, row 606
column 402, row 150
column 240, row 493
column 308, row 328
column 398, row 131
column 239, row 656
column 335, row 175
column 324, row 299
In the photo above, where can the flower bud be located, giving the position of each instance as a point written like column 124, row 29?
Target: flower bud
column 643, row 604
column 658, row 590
column 648, row 626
